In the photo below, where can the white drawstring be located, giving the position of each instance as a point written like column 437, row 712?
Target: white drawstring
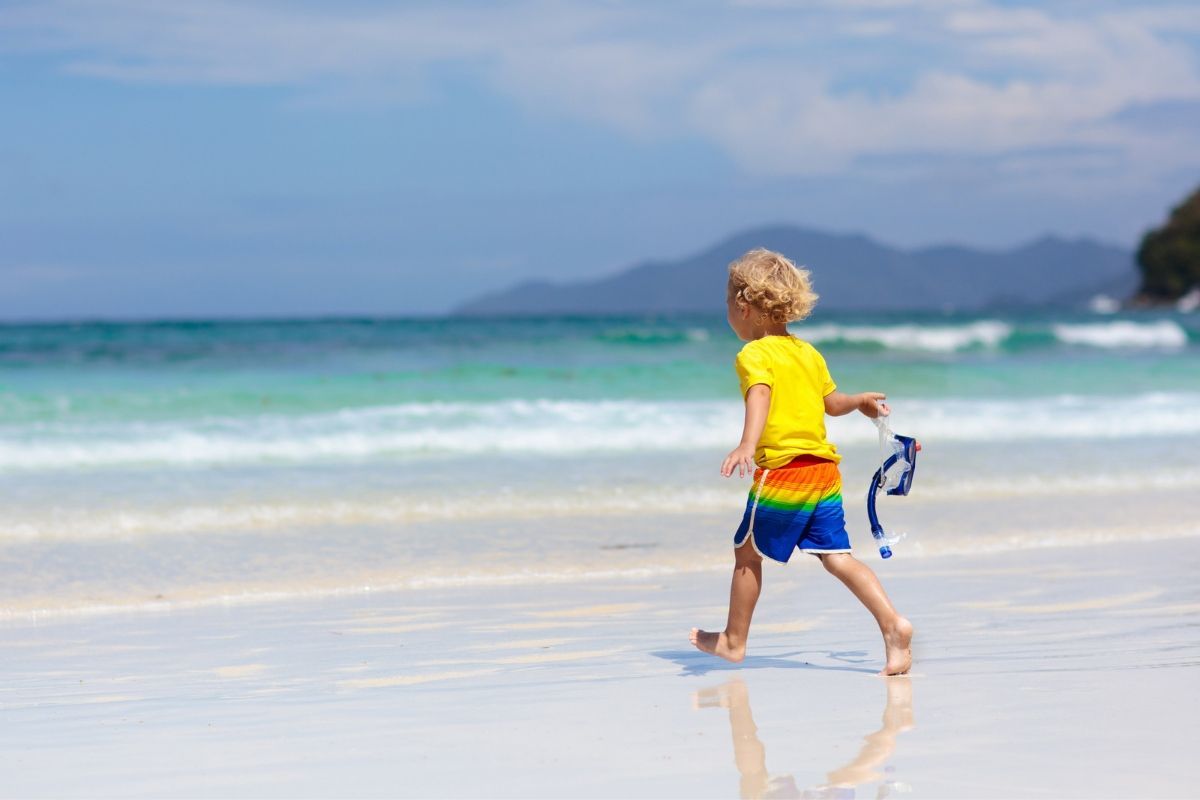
column 757, row 494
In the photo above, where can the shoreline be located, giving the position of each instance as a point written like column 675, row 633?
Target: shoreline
column 376, row 585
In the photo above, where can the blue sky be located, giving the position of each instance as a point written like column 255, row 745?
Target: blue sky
column 217, row 158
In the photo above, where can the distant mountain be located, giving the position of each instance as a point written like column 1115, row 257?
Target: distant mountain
column 850, row 272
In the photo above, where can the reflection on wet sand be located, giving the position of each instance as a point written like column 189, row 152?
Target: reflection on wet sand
column 750, row 756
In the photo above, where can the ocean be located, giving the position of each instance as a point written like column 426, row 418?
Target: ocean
column 157, row 464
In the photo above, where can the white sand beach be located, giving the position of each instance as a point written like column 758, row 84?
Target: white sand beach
column 1065, row 672
column 360, row 589
column 369, row 373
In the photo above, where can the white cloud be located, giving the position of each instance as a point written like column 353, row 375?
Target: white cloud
column 786, row 88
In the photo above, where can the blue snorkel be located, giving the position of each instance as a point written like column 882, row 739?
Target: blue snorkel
column 895, row 475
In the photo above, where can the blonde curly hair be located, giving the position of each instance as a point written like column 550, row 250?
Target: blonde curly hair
column 772, row 284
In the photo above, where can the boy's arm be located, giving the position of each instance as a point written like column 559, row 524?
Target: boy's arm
column 838, row 404
column 758, row 402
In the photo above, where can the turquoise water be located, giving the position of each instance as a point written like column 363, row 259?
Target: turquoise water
column 178, row 370
column 125, row 444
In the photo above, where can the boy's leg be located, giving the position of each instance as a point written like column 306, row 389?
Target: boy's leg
column 897, row 631
column 743, row 595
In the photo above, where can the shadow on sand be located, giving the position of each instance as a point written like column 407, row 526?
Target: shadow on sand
column 693, row 662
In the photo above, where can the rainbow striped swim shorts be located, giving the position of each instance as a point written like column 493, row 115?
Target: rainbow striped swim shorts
column 796, row 506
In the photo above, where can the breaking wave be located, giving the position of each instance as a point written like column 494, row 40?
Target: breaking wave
column 547, row 428
column 996, row 335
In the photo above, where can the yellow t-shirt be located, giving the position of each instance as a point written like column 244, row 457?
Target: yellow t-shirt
column 799, row 381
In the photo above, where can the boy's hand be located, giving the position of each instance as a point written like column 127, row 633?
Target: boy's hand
column 871, row 404
column 742, row 457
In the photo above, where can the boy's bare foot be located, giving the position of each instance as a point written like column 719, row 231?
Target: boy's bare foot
column 896, row 642
column 717, row 645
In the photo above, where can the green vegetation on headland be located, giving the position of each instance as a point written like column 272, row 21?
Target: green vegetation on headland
column 1170, row 256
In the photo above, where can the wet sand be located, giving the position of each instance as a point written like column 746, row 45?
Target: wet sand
column 1064, row 672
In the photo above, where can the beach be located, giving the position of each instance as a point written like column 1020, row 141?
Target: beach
column 1067, row 674
column 460, row 558
column 369, row 374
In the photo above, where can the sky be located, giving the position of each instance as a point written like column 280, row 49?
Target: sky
column 191, row 159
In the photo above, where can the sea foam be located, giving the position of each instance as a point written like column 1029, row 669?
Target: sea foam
column 930, row 338
column 994, row 334
column 1124, row 334
column 410, row 432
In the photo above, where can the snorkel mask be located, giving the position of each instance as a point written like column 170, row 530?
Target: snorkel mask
column 895, row 476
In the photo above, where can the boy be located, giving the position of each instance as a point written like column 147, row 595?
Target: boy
column 796, row 499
